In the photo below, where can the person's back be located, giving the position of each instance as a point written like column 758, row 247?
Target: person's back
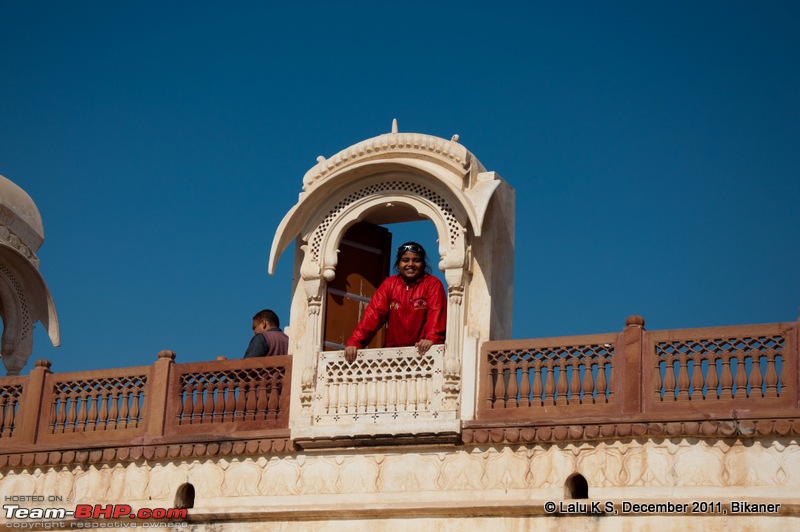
column 268, row 339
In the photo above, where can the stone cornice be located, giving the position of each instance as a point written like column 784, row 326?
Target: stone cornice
column 100, row 455
column 475, row 435
column 710, row 429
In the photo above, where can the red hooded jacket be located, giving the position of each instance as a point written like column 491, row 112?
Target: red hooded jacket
column 415, row 311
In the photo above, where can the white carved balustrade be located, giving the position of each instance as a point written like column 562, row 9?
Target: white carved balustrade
column 384, row 392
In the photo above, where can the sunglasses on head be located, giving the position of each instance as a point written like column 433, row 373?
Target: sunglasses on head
column 413, row 248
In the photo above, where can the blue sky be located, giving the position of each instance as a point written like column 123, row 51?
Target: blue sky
column 654, row 148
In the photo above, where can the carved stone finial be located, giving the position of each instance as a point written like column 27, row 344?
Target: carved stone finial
column 320, row 159
column 42, row 363
column 221, row 357
column 166, row 353
column 394, row 125
column 634, row 320
column 454, row 138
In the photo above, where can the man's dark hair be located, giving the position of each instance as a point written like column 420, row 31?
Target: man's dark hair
column 413, row 247
column 269, row 316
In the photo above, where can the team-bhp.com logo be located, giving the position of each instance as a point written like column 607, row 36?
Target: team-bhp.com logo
column 93, row 511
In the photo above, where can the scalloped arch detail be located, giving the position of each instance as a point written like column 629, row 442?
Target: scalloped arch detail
column 395, row 185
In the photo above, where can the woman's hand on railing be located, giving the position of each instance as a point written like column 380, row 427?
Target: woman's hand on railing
column 423, row 346
column 350, row 353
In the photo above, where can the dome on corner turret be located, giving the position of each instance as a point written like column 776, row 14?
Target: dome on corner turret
column 19, row 214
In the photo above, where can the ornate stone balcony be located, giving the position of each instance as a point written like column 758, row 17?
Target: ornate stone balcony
column 386, row 395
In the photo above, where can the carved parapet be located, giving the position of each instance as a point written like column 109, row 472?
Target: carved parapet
column 383, row 393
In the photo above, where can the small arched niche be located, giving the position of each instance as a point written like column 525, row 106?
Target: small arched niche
column 576, row 487
column 184, row 496
column 395, row 178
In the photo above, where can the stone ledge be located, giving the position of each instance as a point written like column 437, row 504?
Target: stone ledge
column 145, row 452
column 478, row 434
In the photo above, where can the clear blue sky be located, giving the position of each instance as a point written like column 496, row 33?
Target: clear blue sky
column 654, row 148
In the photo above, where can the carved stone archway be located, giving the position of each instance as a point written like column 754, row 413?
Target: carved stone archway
column 399, row 177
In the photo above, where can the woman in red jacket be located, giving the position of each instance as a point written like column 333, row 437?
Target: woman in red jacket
column 413, row 302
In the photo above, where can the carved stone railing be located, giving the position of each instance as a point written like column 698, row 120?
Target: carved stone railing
column 250, row 396
column 129, row 413
column 389, row 395
column 719, row 381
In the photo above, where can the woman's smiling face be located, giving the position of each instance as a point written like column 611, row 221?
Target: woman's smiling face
column 411, row 266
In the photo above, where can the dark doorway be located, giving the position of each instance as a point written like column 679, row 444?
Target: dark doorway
column 363, row 264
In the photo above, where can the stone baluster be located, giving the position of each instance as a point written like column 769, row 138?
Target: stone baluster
column 219, row 401
column 344, row 394
column 82, row 406
column 712, row 379
column 241, row 401
column 330, row 397
column 61, row 418
column 537, row 382
column 230, row 400
column 683, row 377
column 550, row 385
column 498, row 393
column 391, row 395
column 136, row 396
column 588, row 383
column 660, row 389
column 575, row 382
column 601, row 384
column 562, row 385
column 382, row 389
column 741, row 376
column 197, row 409
column 352, row 398
column 72, row 412
column 250, row 399
column 93, row 415
column 361, row 406
column 208, row 403
column 402, row 395
column 525, row 384
column 727, row 377
column 263, row 389
column 697, row 379
column 127, row 395
column 372, row 395
column 274, row 400
column 113, row 409
column 425, row 392
column 772, row 375
column 756, row 380
column 411, row 382
column 669, row 378
column 512, row 401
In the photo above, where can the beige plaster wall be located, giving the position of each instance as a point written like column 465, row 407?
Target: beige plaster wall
column 437, row 488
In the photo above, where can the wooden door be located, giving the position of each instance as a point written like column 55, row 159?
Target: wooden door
column 364, row 259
